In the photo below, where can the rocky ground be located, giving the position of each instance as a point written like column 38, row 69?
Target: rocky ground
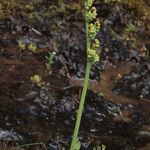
column 118, row 100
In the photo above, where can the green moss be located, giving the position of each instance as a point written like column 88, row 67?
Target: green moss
column 141, row 6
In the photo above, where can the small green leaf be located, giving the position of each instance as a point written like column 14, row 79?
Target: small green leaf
column 102, row 147
column 77, row 145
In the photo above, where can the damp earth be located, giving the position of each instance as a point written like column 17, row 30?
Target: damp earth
column 116, row 112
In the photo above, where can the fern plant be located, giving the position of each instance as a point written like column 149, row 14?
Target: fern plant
column 92, row 26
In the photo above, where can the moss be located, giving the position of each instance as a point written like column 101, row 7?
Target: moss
column 141, row 6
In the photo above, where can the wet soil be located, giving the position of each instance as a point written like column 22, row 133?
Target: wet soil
column 117, row 103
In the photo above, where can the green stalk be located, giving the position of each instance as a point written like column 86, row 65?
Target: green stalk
column 85, row 86
column 81, row 106
column 30, row 144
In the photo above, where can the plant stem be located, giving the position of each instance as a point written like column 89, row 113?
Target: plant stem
column 81, row 106
column 87, row 34
column 85, row 86
column 30, row 144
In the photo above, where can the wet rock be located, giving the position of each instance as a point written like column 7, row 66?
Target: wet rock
column 47, row 114
column 58, row 142
column 139, row 117
column 99, row 112
column 38, row 112
column 135, row 84
column 24, row 110
column 116, row 50
column 11, row 135
column 65, row 105
column 7, row 42
column 31, row 95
